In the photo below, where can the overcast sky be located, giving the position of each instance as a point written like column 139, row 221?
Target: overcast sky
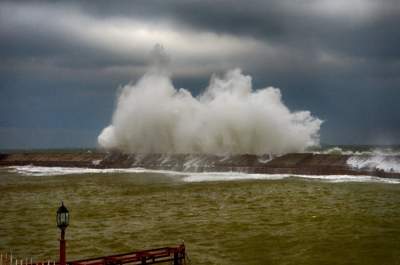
column 61, row 62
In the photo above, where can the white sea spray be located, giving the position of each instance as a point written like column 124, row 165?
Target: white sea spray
column 229, row 117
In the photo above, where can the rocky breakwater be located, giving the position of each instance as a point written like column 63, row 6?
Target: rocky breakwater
column 294, row 163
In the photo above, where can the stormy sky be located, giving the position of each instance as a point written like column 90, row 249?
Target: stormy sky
column 61, row 62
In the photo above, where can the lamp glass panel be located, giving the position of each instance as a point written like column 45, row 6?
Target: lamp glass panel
column 63, row 218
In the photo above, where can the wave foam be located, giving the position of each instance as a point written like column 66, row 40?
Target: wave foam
column 372, row 152
column 232, row 176
column 380, row 162
column 58, row 171
column 194, row 177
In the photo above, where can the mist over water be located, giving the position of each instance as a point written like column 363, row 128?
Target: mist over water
column 229, row 117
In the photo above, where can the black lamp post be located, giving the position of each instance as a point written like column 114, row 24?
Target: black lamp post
column 62, row 223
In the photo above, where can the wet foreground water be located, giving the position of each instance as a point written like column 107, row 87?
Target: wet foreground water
column 282, row 221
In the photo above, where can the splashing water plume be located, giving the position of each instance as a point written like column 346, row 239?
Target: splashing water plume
column 229, row 117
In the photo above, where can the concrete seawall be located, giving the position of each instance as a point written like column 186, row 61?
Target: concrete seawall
column 294, row 163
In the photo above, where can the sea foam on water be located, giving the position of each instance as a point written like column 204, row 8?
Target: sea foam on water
column 229, row 117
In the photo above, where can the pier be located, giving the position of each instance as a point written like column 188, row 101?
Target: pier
column 292, row 163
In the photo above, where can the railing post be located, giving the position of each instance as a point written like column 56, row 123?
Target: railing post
column 176, row 258
column 143, row 259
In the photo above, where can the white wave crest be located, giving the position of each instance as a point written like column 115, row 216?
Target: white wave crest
column 193, row 177
column 372, row 152
column 231, row 176
column 58, row 171
column 380, row 162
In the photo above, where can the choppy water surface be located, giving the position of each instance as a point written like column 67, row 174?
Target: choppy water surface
column 253, row 221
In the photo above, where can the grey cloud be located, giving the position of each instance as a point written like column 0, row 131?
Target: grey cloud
column 293, row 29
column 320, row 53
column 365, row 28
column 297, row 25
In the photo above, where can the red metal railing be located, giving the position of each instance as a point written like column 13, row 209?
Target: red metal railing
column 175, row 255
column 151, row 256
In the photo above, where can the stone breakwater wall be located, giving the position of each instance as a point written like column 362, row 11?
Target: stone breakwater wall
column 294, row 163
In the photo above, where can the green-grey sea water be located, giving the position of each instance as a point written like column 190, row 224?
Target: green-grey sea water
column 287, row 221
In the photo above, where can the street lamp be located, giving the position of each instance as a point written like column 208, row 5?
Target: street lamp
column 62, row 223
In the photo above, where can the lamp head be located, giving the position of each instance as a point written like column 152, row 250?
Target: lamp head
column 62, row 217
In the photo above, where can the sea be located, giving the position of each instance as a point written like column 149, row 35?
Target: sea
column 222, row 218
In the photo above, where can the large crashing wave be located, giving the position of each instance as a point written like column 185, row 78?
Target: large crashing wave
column 230, row 117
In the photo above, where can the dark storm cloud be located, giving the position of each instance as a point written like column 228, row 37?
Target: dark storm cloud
column 339, row 59
column 364, row 28
column 43, row 39
column 369, row 30
column 303, row 30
